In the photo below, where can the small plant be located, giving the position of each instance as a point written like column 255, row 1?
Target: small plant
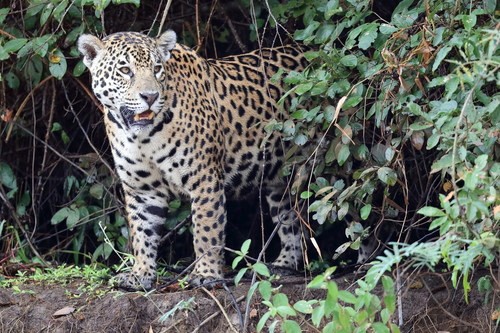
column 91, row 278
column 340, row 311
column 180, row 306
column 258, row 267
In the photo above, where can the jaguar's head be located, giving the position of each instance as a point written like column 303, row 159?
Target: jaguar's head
column 128, row 73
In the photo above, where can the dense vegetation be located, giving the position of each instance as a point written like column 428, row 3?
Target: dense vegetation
column 405, row 102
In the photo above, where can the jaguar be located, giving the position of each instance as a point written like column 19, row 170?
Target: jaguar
column 183, row 126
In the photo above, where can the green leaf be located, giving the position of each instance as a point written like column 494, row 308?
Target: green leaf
column 330, row 153
column 56, row 127
column 351, row 102
column 291, row 326
column 25, row 50
column 433, row 140
column 469, row 21
column 439, row 222
column 97, row 191
column 57, row 64
column 3, row 14
column 349, row 60
column 365, row 211
column 303, row 88
column 343, row 154
column 319, row 88
column 236, row 261
column 64, row 137
column 347, row 297
column 265, row 290
column 387, row 175
column 46, row 13
column 420, row 125
column 300, row 139
column 332, row 8
column 442, row 53
column 431, row 211
column 299, row 114
column 261, row 269
column 307, row 32
column 136, row 3
column 481, row 161
column 72, row 218
column 41, row 45
column 306, row 194
column 34, row 9
column 245, row 246
column 444, row 162
column 3, row 55
column 317, row 315
column 59, row 10
column 7, row 177
column 262, row 321
column 304, row 306
column 316, row 283
column 107, row 250
column 14, row 44
column 387, row 29
column 240, row 275
column 380, row 328
column 368, row 36
column 323, row 33
column 285, row 310
column 60, row 215
column 23, row 203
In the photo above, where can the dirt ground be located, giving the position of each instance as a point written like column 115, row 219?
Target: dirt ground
column 428, row 304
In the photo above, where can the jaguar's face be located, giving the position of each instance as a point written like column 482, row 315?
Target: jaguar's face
column 128, row 74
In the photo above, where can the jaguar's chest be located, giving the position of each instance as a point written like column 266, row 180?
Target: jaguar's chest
column 146, row 163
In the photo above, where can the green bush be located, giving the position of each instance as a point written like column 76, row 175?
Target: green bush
column 406, row 104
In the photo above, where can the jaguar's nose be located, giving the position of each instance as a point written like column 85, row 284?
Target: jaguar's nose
column 150, row 98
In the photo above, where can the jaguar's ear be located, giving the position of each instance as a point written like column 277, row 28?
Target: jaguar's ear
column 89, row 46
column 166, row 42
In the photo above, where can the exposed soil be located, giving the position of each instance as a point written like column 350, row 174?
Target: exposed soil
column 429, row 304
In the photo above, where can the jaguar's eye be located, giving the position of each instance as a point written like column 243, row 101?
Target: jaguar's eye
column 125, row 70
column 157, row 69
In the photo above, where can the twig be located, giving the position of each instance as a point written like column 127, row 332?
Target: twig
column 399, row 297
column 213, row 315
column 175, row 229
column 156, row 16
column 197, row 23
column 236, row 36
column 5, row 33
column 254, row 275
column 46, row 139
column 224, row 313
column 85, row 133
column 23, row 104
column 164, row 17
column 200, row 41
column 463, row 322
column 89, row 94
column 52, row 149
column 3, row 196
column 234, row 302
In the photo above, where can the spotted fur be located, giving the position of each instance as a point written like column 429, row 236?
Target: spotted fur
column 183, row 126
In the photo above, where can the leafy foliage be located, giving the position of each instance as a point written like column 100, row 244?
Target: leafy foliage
column 387, row 93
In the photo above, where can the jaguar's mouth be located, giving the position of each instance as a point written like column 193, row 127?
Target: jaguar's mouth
column 140, row 119
column 145, row 116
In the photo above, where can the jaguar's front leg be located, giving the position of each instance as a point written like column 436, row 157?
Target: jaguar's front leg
column 146, row 215
column 209, row 222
